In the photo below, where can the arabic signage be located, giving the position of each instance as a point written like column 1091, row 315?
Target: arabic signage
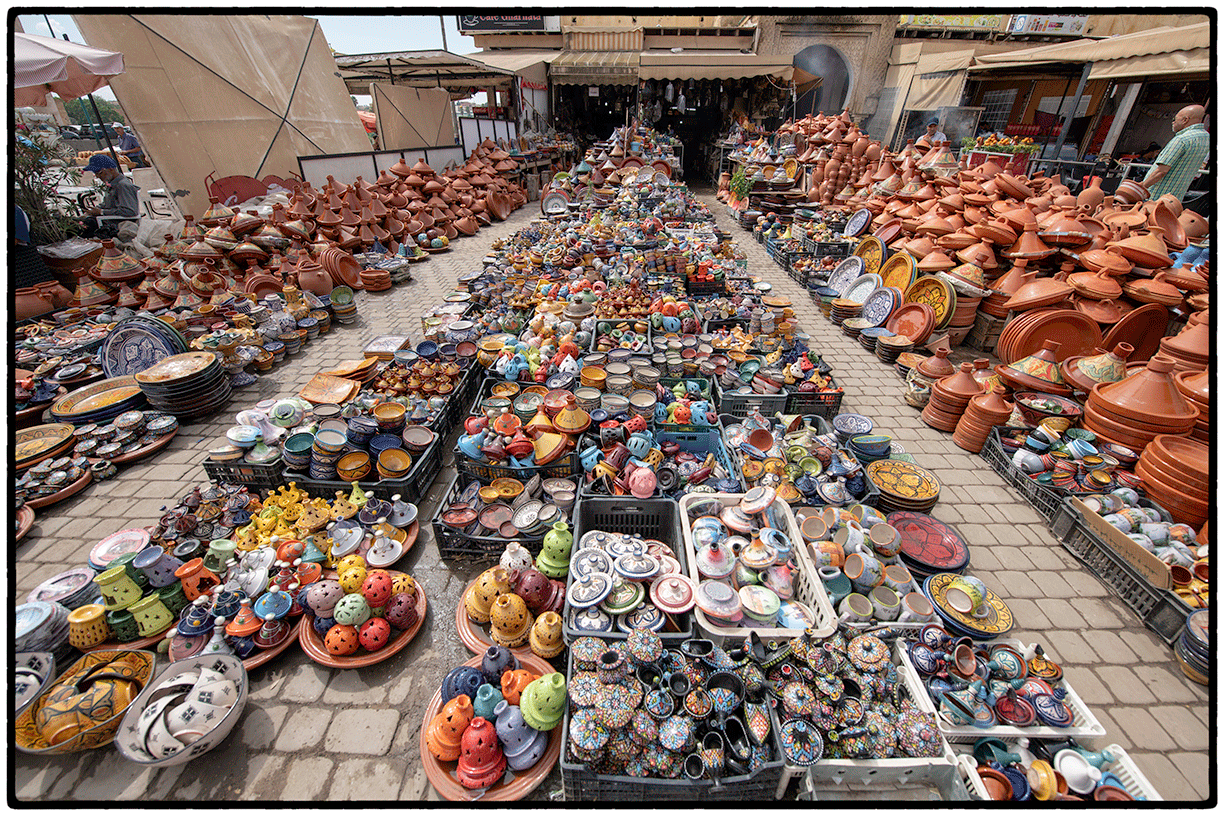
column 497, row 24
column 961, row 22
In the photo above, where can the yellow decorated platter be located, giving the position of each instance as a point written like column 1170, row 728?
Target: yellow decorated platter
column 936, row 293
column 904, row 480
column 996, row 619
column 96, row 397
column 31, row 445
column 899, row 270
column 873, row 252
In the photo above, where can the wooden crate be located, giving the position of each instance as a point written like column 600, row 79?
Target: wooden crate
column 984, row 335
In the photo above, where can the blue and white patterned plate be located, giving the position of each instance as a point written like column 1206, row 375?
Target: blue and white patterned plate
column 878, row 306
column 861, row 287
column 134, row 345
column 845, row 272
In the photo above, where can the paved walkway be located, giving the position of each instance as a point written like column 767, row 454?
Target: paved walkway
column 315, row 733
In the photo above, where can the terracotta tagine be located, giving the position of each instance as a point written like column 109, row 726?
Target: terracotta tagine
column 1101, row 367
column 1037, row 372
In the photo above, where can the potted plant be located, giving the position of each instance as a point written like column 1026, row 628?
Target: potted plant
column 36, row 173
column 739, row 187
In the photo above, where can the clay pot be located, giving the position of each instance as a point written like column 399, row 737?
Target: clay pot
column 511, row 620
column 1149, row 397
column 497, row 660
column 32, row 302
column 481, row 762
column 513, row 683
column 938, row 366
column 1195, row 225
column 445, row 732
column 522, row 744
column 480, row 596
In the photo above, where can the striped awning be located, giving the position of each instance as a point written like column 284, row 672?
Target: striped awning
column 595, row 68
column 586, row 38
column 712, row 65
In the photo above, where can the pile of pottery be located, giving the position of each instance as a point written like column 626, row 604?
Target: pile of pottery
column 537, row 432
column 363, row 608
column 695, row 712
column 1175, row 474
column 487, row 731
column 801, row 463
column 191, row 707
column 42, row 626
column 627, row 458
column 1050, row 771
column 1134, row 410
column 1196, row 388
column 55, row 477
column 842, row 698
column 1072, row 459
column 858, row 559
column 521, row 598
column 508, row 508
column 984, row 685
column 743, row 558
column 620, row 582
column 85, row 706
column 421, row 384
column 1150, row 526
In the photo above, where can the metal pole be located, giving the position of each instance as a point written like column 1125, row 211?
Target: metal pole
column 1062, row 100
column 105, row 135
column 442, row 23
column 1066, row 128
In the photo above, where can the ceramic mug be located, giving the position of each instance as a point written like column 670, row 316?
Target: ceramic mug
column 836, row 584
column 855, row 608
column 851, row 538
column 864, row 572
column 827, row 554
column 898, row 579
column 886, row 603
column 916, row 608
column 885, row 540
column 966, row 594
column 814, row 529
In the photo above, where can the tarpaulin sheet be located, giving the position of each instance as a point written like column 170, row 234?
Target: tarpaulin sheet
column 938, row 80
column 226, row 94
column 412, row 117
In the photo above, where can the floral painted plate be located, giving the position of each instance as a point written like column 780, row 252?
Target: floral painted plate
column 997, row 621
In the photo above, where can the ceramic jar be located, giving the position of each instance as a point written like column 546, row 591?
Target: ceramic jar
column 87, row 626
column 158, row 566
column 478, row 601
column 496, row 661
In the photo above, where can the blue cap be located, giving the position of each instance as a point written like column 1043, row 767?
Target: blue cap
column 933, row 122
column 100, row 162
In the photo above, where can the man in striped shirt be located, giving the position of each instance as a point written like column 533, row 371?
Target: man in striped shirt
column 1179, row 162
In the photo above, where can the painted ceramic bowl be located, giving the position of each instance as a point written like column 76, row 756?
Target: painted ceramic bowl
column 128, row 739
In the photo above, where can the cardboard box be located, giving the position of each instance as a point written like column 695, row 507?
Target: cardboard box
column 1155, row 571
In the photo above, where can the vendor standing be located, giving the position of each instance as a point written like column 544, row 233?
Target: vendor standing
column 129, row 146
column 1182, row 157
column 122, row 198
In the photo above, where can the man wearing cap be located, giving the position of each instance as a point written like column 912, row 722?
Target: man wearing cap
column 934, row 134
column 122, row 197
column 129, row 146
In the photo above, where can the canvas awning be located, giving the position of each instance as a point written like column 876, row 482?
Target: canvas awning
column 595, row 68
column 421, row 69
column 938, row 79
column 712, row 65
column 1193, row 61
column 1165, row 41
column 516, row 60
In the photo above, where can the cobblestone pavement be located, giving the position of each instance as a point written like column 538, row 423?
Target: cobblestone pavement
column 311, row 733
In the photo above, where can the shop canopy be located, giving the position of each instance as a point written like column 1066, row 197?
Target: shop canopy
column 595, row 68
column 712, row 65
column 421, row 69
column 43, row 65
column 1156, row 52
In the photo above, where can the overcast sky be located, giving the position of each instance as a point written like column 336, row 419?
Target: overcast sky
column 346, row 34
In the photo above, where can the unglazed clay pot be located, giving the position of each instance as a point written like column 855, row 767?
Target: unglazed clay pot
column 446, row 729
column 481, row 762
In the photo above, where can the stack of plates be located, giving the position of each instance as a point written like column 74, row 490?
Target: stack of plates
column 41, row 626
column 928, row 545
column 99, row 403
column 1193, row 647
column 851, row 327
column 889, row 347
column 903, row 486
column 362, row 370
column 868, row 337
column 32, row 445
column 376, row 280
column 995, row 619
column 71, row 589
column 907, row 360
column 343, row 306
column 132, row 540
column 187, row 385
column 843, row 309
column 137, row 342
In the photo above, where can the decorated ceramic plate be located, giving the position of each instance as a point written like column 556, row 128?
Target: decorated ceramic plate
column 97, row 397
column 928, row 543
column 133, row 346
column 873, row 252
column 32, row 444
column 899, row 270
column 554, row 202
column 116, row 544
column 936, row 293
column 903, row 480
column 878, row 306
column 845, row 272
column 997, row 621
column 63, row 586
column 857, row 224
column 178, row 367
column 861, row 287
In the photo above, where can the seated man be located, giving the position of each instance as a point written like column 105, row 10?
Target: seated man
column 130, row 147
column 122, row 199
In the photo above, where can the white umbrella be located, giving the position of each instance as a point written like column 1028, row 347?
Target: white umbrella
column 44, row 64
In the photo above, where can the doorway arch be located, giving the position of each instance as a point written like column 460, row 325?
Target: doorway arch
column 830, row 82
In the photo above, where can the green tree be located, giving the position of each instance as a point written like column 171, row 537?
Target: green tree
column 81, row 112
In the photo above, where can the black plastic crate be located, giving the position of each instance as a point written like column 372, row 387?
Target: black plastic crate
column 245, row 474
column 411, row 488
column 568, row 465
column 715, row 324
column 825, row 404
column 1046, row 501
column 657, row 519
column 741, row 404
column 699, row 288
column 1160, row 610
column 461, row 398
column 455, row 544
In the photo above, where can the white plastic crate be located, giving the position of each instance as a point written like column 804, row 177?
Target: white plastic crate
column 1085, row 726
column 808, row 588
column 1133, row 780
